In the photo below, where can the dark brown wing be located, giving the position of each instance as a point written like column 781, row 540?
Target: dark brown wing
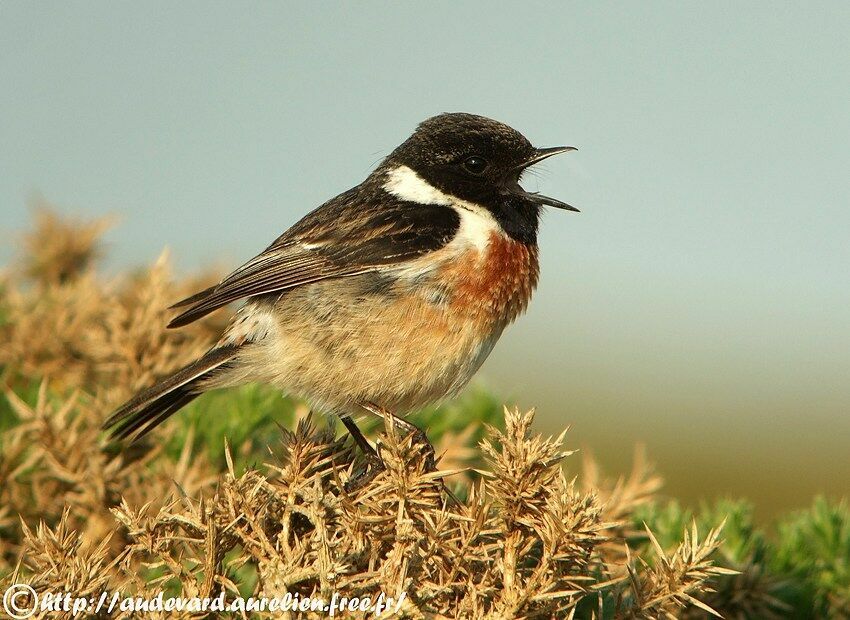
column 348, row 235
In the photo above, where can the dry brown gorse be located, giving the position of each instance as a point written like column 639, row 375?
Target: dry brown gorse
column 524, row 543
column 79, row 515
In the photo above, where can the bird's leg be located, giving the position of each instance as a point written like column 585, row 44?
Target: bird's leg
column 359, row 439
column 375, row 464
column 418, row 434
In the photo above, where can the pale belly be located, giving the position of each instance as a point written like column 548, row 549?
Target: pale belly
column 336, row 349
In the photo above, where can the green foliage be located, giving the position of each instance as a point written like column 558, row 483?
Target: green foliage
column 802, row 570
column 27, row 391
column 813, row 550
column 452, row 418
column 742, row 539
column 255, row 413
column 248, row 417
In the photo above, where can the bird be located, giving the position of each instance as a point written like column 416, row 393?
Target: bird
column 384, row 299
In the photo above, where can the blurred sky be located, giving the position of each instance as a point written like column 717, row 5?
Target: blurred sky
column 701, row 300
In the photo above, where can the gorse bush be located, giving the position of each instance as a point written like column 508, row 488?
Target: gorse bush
column 247, row 493
column 526, row 540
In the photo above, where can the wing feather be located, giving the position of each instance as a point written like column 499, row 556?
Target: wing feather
column 344, row 237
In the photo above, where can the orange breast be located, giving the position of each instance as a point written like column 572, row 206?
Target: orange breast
column 493, row 286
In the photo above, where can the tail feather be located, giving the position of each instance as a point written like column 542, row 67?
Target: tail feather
column 150, row 407
column 194, row 298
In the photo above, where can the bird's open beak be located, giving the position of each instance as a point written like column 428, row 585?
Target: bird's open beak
column 538, row 156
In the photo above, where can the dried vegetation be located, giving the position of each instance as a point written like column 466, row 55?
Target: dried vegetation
column 529, row 538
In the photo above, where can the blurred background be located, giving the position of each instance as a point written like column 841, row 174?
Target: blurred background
column 699, row 304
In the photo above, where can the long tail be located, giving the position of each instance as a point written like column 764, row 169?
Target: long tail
column 150, row 407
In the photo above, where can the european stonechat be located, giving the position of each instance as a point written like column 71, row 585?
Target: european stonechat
column 386, row 298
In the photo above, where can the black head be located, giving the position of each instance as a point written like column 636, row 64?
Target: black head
column 476, row 159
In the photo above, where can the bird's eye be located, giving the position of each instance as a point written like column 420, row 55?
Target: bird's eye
column 475, row 165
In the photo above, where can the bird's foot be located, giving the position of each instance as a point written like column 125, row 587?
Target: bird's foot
column 374, row 466
column 374, row 463
column 417, row 434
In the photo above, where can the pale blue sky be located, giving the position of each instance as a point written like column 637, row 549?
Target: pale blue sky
column 700, row 301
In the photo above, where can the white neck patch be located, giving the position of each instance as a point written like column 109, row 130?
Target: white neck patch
column 402, row 182
column 476, row 223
